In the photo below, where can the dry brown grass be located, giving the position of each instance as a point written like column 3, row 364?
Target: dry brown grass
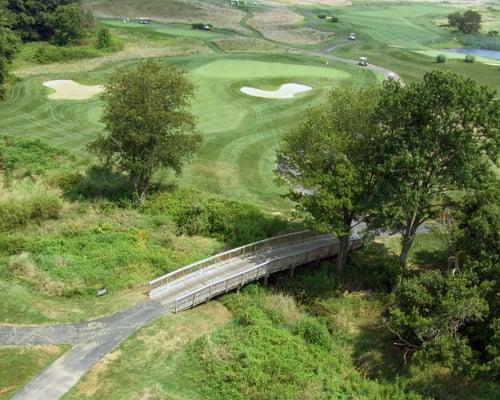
column 282, row 308
column 22, row 267
column 167, row 335
column 141, row 49
column 90, row 384
column 283, row 25
column 247, row 45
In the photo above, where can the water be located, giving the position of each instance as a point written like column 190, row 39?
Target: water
column 477, row 52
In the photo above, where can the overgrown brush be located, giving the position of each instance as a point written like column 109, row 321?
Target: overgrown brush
column 196, row 213
column 28, row 202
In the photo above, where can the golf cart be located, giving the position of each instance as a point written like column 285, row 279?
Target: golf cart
column 363, row 61
column 352, row 36
column 144, row 21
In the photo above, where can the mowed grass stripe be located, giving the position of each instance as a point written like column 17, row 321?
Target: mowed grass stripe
column 241, row 132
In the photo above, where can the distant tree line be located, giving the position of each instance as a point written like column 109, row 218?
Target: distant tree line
column 61, row 22
column 397, row 157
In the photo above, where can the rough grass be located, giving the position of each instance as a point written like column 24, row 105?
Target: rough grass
column 284, row 25
column 153, row 356
column 18, row 365
column 219, row 14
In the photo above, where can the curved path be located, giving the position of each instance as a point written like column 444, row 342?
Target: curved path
column 94, row 339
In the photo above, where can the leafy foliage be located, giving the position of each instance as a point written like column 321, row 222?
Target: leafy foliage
column 428, row 313
column 103, row 39
column 233, row 222
column 468, row 22
column 9, row 45
column 34, row 19
column 68, row 24
column 148, row 122
column 321, row 163
column 433, row 137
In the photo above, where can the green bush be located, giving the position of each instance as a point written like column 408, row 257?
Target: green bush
column 334, row 19
column 26, row 157
column 441, row 58
column 322, row 16
column 45, row 54
column 196, row 213
column 103, row 39
column 373, row 267
column 313, row 331
column 470, row 58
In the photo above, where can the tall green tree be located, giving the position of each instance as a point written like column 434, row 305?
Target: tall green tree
column 432, row 137
column 32, row 19
column 148, row 121
column 68, row 24
column 321, row 162
column 476, row 243
column 9, row 45
column 468, row 22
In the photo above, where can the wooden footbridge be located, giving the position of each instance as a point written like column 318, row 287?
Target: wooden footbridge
column 205, row 279
column 176, row 291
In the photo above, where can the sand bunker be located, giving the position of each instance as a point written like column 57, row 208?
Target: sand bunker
column 286, row 91
column 71, row 90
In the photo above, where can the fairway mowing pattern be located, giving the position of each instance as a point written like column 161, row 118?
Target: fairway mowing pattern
column 407, row 25
column 241, row 132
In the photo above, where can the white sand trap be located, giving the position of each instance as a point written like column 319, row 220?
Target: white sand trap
column 71, row 90
column 286, row 91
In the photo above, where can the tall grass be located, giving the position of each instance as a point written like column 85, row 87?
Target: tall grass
column 27, row 202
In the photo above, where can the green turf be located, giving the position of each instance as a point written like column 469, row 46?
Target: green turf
column 406, row 37
column 162, row 29
column 241, row 132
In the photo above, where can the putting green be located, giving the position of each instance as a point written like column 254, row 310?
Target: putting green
column 241, row 132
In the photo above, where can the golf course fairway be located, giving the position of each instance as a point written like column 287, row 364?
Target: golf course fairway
column 241, row 131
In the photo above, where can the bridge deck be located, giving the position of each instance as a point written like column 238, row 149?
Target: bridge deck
column 224, row 270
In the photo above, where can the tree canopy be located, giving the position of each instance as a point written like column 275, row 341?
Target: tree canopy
column 37, row 19
column 432, row 137
column 322, row 165
column 468, row 22
column 9, row 44
column 148, row 121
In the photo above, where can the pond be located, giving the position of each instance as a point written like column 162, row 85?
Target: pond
column 477, row 52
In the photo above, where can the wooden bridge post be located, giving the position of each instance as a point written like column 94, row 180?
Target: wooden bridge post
column 291, row 271
column 266, row 279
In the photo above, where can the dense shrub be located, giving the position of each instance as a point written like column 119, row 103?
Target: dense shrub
column 103, row 39
column 470, row 58
column 373, row 268
column 42, row 53
column 26, row 157
column 27, row 203
column 488, row 42
column 313, row 331
column 334, row 19
column 322, row 16
column 441, row 58
column 195, row 213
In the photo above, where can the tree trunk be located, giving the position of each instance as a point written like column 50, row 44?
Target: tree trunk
column 405, row 250
column 141, row 187
column 342, row 254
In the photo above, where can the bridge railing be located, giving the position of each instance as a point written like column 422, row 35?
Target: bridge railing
column 259, row 271
column 248, row 249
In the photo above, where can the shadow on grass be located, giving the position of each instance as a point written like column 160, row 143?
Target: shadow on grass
column 99, row 182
